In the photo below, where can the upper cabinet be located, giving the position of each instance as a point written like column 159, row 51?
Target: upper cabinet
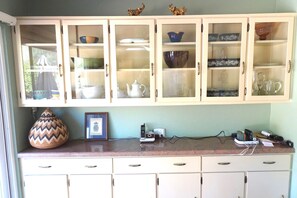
column 40, row 65
column 133, row 66
column 178, row 60
column 224, row 59
column 155, row 60
column 269, row 58
column 86, row 57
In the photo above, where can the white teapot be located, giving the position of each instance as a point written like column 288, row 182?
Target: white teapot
column 137, row 90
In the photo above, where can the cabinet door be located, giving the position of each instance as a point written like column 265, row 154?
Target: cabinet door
column 224, row 54
column 86, row 56
column 134, row 186
column 223, row 185
column 90, row 186
column 186, row 185
column 40, row 69
column 45, row 186
column 179, row 61
column 276, row 184
column 269, row 58
column 132, row 61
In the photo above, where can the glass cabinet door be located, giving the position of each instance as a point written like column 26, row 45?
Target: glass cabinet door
column 86, row 61
column 270, row 44
column 132, row 60
column 224, row 49
column 179, row 71
column 40, row 62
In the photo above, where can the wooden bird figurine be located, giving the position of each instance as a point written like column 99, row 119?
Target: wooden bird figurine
column 177, row 11
column 137, row 11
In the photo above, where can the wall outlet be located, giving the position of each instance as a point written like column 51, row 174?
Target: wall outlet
column 160, row 132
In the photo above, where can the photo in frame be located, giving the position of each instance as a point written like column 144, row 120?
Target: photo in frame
column 96, row 125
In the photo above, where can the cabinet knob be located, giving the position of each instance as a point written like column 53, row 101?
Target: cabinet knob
column 289, row 66
column 134, row 165
column 198, row 68
column 44, row 166
column 106, row 70
column 269, row 162
column 60, row 70
column 152, row 68
column 179, row 164
column 91, row 166
column 224, row 163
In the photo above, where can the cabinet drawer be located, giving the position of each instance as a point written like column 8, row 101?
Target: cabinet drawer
column 134, row 165
column 66, row 166
column 157, row 165
column 223, row 163
column 43, row 166
column 246, row 163
column 269, row 162
column 179, row 164
column 89, row 166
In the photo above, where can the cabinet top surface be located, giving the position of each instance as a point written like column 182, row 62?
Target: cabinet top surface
column 166, row 147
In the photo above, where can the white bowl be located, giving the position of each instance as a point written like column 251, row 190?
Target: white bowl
column 90, row 91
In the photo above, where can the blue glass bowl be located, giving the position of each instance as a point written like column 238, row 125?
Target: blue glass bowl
column 89, row 39
column 175, row 36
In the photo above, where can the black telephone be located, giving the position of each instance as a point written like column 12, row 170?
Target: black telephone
column 246, row 135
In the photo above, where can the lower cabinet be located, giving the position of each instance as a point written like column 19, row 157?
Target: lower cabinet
column 252, row 176
column 67, row 178
column 90, row 186
column 229, row 176
column 45, row 186
column 179, row 185
column 223, row 185
column 134, row 186
column 268, row 184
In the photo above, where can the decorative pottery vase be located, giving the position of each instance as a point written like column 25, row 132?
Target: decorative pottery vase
column 48, row 131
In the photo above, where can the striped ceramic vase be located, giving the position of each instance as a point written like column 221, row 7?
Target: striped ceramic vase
column 48, row 131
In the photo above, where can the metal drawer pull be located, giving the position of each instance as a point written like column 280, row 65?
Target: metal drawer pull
column 179, row 164
column 91, row 166
column 44, row 166
column 271, row 162
column 224, row 163
column 134, row 165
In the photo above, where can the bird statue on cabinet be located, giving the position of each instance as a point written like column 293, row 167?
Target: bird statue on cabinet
column 137, row 11
column 177, row 11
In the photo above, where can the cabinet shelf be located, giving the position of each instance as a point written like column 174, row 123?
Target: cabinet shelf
column 224, row 68
column 133, row 70
column 269, row 66
column 179, row 43
column 263, row 42
column 224, row 43
column 40, row 44
column 179, row 69
column 88, row 70
column 87, row 45
column 43, row 69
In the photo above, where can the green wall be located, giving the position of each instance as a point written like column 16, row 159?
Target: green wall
column 283, row 116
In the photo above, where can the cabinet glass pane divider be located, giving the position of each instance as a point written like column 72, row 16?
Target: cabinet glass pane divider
column 269, row 41
column 179, row 69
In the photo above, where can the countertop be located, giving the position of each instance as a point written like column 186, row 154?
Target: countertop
column 163, row 147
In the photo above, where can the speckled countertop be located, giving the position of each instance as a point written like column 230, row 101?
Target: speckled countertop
column 165, row 147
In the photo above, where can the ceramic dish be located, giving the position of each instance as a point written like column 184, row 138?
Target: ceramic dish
column 222, row 92
column 89, row 39
column 213, row 37
column 88, row 63
column 229, row 37
column 223, row 62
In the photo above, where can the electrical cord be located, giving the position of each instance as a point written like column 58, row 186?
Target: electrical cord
column 175, row 138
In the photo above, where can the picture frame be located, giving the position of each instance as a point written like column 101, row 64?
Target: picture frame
column 96, row 125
